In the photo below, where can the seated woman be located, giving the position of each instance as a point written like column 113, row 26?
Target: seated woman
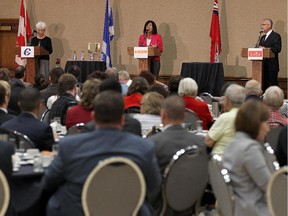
column 244, row 160
column 82, row 113
column 138, row 87
column 188, row 90
column 151, row 104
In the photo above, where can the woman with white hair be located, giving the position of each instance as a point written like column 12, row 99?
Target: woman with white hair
column 42, row 40
column 188, row 89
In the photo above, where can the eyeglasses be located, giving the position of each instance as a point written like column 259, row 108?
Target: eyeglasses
column 264, row 24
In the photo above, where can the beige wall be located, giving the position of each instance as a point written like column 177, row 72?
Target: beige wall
column 184, row 25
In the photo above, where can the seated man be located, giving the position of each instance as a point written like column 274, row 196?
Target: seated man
column 253, row 90
column 5, row 91
column 174, row 137
column 79, row 154
column 67, row 91
column 27, row 122
column 223, row 129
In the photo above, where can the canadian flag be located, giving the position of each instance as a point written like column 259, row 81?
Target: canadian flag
column 24, row 32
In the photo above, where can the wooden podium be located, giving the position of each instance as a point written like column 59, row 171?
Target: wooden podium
column 32, row 63
column 144, row 63
column 257, row 64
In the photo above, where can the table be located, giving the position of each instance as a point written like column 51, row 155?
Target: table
column 209, row 76
column 27, row 191
column 87, row 67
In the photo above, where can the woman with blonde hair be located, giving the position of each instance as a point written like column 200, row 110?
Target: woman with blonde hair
column 149, row 116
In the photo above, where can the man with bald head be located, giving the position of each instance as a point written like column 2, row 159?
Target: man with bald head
column 253, row 90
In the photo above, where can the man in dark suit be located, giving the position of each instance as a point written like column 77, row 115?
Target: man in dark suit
column 174, row 137
column 5, row 92
column 271, row 40
column 27, row 123
column 54, row 76
column 79, row 154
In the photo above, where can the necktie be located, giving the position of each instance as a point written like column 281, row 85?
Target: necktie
column 262, row 40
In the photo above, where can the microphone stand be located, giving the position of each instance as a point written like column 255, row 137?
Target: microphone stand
column 258, row 41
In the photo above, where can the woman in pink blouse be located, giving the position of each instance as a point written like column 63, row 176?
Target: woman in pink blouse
column 150, row 37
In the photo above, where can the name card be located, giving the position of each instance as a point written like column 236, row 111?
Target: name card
column 27, row 52
column 140, row 52
column 255, row 54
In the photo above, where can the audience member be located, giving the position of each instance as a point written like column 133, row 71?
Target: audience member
column 151, row 79
column 5, row 91
column 284, row 109
column 27, row 123
column 75, row 71
column 79, row 154
column 159, row 89
column 223, row 129
column 5, row 74
column 82, row 113
column 173, row 137
column 39, row 82
column 138, row 87
column 124, row 77
column 67, row 90
column 54, row 76
column 98, row 75
column 150, row 111
column 188, row 89
column 244, row 160
column 281, row 148
column 17, row 85
column 253, row 90
column 173, row 84
column 273, row 98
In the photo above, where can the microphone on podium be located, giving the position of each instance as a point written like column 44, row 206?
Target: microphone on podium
column 259, row 38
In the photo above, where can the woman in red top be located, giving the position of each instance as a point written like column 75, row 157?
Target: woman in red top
column 188, row 89
column 138, row 87
column 150, row 37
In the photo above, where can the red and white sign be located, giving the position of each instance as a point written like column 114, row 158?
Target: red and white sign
column 140, row 52
column 255, row 54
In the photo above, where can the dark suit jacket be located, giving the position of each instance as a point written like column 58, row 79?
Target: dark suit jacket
column 174, row 138
column 80, row 153
column 274, row 42
column 49, row 91
column 6, row 151
column 5, row 116
column 39, row 132
column 131, row 125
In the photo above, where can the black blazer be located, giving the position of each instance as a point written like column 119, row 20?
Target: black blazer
column 5, row 116
column 273, row 41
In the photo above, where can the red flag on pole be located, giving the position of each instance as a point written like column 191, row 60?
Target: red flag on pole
column 24, row 31
column 215, row 34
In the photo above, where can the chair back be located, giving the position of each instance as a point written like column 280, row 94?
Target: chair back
column 4, row 194
column 273, row 135
column 116, row 186
column 21, row 141
column 45, row 116
column 78, row 128
column 206, row 97
column 191, row 118
column 270, row 158
column 185, row 179
column 220, row 181
column 277, row 192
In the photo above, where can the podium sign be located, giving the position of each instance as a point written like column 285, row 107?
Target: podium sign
column 255, row 54
column 27, row 52
column 140, row 52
